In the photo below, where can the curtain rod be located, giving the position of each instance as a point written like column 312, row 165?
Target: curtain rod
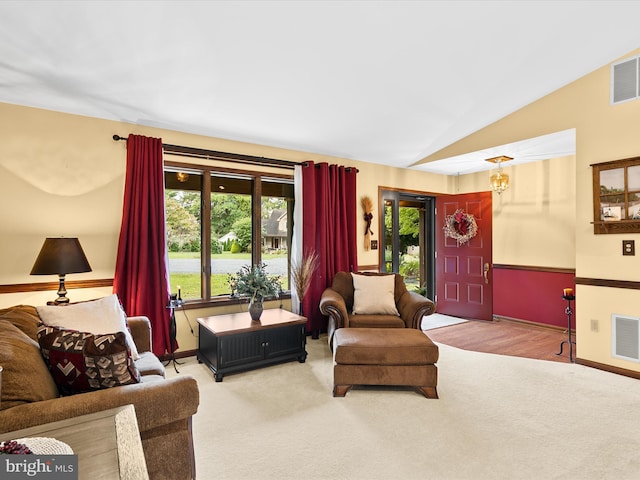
column 215, row 155
column 317, row 165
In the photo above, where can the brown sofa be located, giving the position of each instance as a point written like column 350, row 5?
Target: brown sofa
column 164, row 407
column 337, row 303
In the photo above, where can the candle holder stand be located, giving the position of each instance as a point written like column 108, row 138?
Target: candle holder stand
column 569, row 312
column 174, row 303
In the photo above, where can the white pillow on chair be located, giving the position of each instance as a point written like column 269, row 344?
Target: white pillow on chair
column 99, row 317
column 374, row 295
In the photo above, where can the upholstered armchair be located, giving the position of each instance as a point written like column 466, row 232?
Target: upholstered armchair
column 367, row 300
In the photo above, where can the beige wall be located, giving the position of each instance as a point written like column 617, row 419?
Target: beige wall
column 605, row 133
column 534, row 219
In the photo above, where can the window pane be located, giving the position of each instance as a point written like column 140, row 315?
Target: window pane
column 634, row 206
column 276, row 238
column 612, row 181
column 231, row 232
column 612, row 210
column 410, row 246
column 388, row 236
column 633, row 187
column 183, row 223
column 633, row 178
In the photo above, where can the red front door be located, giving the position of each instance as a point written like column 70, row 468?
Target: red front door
column 463, row 271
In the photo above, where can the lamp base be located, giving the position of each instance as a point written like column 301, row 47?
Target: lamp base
column 62, row 292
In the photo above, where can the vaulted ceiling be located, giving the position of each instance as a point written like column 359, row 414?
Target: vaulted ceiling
column 375, row 81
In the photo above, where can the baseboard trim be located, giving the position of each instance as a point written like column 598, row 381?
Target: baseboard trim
column 529, row 323
column 587, row 363
column 182, row 354
column 609, row 368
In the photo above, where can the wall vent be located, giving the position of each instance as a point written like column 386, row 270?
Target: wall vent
column 625, row 80
column 625, row 336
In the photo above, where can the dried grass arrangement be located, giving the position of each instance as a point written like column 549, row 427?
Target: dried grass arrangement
column 301, row 273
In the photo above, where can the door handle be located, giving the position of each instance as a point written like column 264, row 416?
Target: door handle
column 486, row 272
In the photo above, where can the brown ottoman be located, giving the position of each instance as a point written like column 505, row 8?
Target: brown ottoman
column 384, row 356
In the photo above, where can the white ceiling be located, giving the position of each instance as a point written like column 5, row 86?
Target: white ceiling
column 376, row 81
column 553, row 145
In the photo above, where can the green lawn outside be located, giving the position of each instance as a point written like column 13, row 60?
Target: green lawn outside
column 190, row 282
column 243, row 256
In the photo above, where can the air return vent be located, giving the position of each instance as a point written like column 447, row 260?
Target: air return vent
column 625, row 80
column 625, row 337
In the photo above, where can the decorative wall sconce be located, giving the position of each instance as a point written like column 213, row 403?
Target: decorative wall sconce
column 367, row 206
column 499, row 181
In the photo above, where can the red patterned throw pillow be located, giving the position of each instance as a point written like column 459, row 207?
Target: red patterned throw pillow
column 81, row 361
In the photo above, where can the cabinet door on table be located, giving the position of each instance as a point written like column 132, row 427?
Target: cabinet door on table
column 284, row 341
column 241, row 349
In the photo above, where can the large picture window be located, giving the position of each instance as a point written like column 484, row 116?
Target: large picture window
column 221, row 219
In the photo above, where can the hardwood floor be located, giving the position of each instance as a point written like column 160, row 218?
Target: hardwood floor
column 507, row 338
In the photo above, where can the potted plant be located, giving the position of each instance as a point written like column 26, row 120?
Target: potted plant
column 255, row 283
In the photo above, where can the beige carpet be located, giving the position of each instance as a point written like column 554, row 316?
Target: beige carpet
column 497, row 417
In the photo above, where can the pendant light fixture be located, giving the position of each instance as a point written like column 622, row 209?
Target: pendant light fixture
column 499, row 181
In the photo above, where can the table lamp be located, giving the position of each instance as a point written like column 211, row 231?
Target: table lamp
column 59, row 256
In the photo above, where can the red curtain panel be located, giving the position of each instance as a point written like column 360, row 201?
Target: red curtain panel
column 329, row 229
column 141, row 281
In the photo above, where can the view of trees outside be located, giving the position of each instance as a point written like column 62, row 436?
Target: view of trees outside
column 409, row 233
column 231, row 237
column 275, row 238
column 388, row 237
column 183, row 225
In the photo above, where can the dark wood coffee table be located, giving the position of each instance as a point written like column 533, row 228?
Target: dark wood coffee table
column 232, row 343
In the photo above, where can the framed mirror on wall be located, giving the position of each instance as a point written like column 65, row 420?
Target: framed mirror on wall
column 616, row 196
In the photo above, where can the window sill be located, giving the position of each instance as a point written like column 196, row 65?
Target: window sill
column 224, row 300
